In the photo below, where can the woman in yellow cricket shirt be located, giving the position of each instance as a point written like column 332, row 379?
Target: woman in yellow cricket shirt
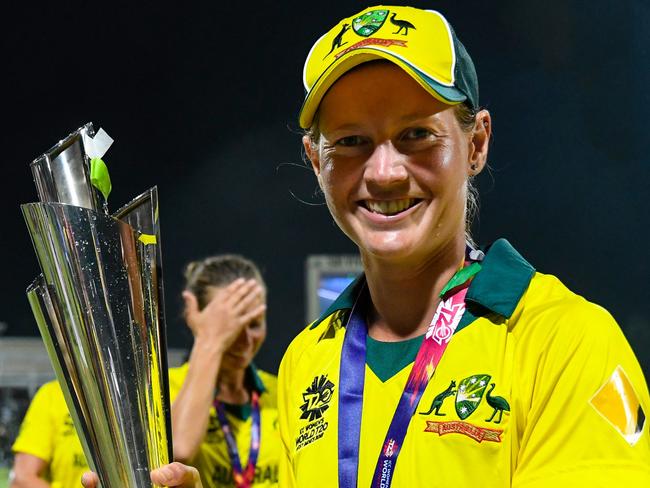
column 224, row 410
column 47, row 451
column 443, row 364
column 224, row 413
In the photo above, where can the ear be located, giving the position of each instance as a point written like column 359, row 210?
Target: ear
column 311, row 150
column 479, row 143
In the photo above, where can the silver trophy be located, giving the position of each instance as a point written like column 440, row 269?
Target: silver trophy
column 99, row 306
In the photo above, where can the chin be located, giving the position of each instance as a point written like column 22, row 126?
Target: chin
column 236, row 362
column 387, row 247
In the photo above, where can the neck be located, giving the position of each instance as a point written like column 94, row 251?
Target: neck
column 404, row 297
column 231, row 386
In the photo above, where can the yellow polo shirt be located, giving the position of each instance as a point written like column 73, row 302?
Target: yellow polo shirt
column 212, row 460
column 538, row 388
column 47, row 432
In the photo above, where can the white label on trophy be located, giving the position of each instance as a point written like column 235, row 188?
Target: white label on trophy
column 97, row 146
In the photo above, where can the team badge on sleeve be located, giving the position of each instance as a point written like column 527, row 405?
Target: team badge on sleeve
column 617, row 402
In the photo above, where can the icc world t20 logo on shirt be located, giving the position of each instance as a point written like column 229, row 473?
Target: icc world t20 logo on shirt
column 316, row 400
column 317, row 397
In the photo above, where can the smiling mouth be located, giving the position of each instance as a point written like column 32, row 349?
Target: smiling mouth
column 237, row 356
column 389, row 207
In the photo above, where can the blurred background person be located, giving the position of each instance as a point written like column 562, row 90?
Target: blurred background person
column 47, row 451
column 224, row 413
column 222, row 405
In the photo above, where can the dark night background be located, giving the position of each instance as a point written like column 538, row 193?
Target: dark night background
column 202, row 98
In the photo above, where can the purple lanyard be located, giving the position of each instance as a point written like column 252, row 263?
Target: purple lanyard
column 353, row 363
column 242, row 479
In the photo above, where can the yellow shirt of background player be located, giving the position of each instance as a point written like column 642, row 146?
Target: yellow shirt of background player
column 212, row 460
column 47, row 432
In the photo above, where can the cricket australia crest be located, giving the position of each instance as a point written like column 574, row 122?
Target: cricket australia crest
column 469, row 394
column 367, row 24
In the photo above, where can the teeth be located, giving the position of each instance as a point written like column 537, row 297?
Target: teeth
column 390, row 207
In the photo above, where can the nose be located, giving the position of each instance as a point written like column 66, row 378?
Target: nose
column 243, row 340
column 385, row 167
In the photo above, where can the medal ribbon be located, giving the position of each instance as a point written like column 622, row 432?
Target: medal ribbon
column 242, row 479
column 353, row 361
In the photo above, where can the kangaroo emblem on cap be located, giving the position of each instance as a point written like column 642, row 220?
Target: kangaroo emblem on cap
column 336, row 42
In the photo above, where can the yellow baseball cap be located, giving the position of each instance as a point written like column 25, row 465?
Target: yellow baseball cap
column 421, row 42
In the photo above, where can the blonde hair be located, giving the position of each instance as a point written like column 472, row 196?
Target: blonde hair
column 218, row 271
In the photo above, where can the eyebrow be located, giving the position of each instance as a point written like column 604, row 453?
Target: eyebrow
column 346, row 127
column 405, row 119
column 419, row 116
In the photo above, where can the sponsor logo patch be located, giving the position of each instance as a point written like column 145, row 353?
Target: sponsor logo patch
column 617, row 402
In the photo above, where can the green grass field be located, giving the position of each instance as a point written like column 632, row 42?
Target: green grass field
column 4, row 473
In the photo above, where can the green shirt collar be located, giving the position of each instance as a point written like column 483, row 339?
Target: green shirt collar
column 255, row 379
column 503, row 279
column 498, row 287
column 242, row 412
